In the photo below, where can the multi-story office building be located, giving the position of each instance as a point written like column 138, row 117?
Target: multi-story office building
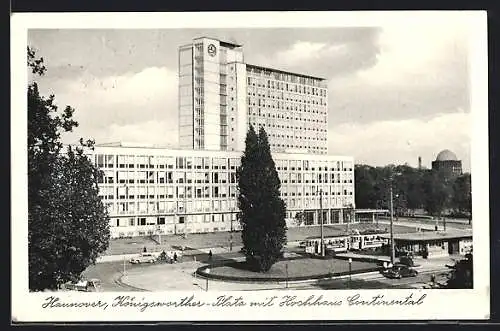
column 194, row 189
column 220, row 96
column 156, row 190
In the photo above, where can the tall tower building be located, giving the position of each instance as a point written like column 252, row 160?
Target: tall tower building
column 203, row 92
column 220, row 96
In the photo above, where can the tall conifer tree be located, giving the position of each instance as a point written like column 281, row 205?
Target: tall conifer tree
column 262, row 210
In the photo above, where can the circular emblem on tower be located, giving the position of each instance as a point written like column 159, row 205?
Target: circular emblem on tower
column 212, row 50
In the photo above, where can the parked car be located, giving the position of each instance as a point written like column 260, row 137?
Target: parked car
column 144, row 258
column 400, row 271
column 92, row 285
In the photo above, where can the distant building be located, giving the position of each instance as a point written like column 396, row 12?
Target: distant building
column 448, row 162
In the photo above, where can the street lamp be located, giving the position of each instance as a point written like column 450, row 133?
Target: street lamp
column 392, row 223
column 286, row 271
column 232, row 214
column 321, row 221
column 158, row 230
column 392, row 214
column 185, row 213
column 207, row 271
column 350, row 270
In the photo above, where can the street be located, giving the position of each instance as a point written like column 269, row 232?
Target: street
column 179, row 276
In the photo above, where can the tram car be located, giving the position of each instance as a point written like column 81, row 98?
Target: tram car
column 336, row 244
column 367, row 241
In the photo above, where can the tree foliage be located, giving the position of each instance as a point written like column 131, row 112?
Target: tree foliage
column 68, row 226
column 262, row 211
column 462, row 275
column 462, row 195
column 413, row 189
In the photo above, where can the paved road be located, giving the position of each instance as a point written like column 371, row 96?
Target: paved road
column 161, row 277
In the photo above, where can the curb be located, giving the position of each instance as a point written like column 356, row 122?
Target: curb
column 119, row 282
column 201, row 272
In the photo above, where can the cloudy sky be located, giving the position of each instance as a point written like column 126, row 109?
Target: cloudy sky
column 395, row 92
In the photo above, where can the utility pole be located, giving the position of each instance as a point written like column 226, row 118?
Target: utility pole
column 185, row 212
column 392, row 233
column 321, row 221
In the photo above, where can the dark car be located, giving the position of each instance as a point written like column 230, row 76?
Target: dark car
column 400, row 271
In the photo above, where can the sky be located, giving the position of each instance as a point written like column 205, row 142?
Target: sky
column 395, row 92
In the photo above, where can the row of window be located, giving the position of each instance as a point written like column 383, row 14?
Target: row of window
column 273, row 124
column 262, row 116
column 286, row 82
column 291, row 114
column 273, row 99
column 163, row 220
column 203, row 206
column 194, row 162
column 215, row 195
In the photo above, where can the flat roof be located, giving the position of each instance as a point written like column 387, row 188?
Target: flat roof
column 285, row 72
column 361, row 211
column 132, row 147
column 221, row 42
column 432, row 235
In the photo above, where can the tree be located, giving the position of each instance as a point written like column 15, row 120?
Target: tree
column 462, row 196
column 68, row 225
column 364, row 186
column 262, row 211
column 437, row 192
column 462, row 275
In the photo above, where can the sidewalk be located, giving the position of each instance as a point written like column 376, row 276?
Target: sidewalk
column 381, row 258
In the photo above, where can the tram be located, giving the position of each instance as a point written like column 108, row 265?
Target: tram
column 336, row 244
column 367, row 241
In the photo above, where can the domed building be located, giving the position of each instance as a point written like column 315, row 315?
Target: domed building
column 447, row 160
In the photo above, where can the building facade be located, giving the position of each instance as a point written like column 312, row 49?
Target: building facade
column 154, row 190
column 433, row 243
column 220, row 96
column 448, row 163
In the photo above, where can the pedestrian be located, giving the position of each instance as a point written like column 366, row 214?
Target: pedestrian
column 433, row 279
column 175, row 257
column 210, row 255
column 435, row 227
column 144, row 249
column 163, row 256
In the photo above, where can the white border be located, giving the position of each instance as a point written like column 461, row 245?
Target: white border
column 439, row 304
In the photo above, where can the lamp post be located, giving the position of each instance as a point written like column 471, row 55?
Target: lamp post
column 392, row 221
column 232, row 214
column 158, row 230
column 321, row 221
column 350, row 270
column 207, row 271
column 391, row 198
column 124, row 265
column 185, row 213
column 286, row 279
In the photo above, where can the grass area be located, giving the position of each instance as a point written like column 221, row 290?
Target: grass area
column 306, row 267
column 221, row 239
